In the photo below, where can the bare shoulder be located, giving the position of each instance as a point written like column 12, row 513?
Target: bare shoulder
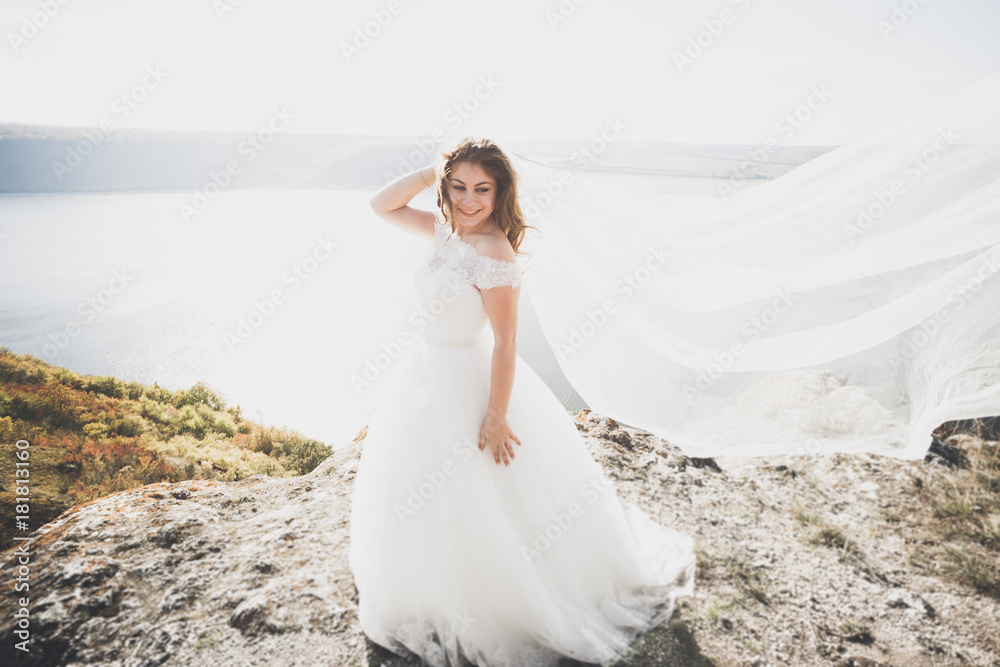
column 497, row 246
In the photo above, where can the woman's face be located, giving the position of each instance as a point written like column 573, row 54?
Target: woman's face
column 471, row 192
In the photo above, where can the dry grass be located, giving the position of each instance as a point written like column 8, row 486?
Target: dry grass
column 91, row 436
column 963, row 525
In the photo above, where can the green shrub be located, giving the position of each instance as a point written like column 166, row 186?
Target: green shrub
column 129, row 426
column 159, row 394
column 206, row 413
column 134, row 390
column 152, row 410
column 303, row 455
column 200, row 394
column 6, row 429
column 224, row 424
column 108, row 386
column 28, row 407
column 56, row 404
column 68, row 378
column 95, row 430
column 18, row 371
column 263, row 442
column 188, row 421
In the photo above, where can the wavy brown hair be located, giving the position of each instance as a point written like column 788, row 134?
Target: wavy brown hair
column 488, row 155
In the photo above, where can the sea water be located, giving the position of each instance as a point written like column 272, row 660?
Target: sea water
column 239, row 295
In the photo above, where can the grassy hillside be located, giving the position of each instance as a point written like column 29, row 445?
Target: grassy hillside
column 91, row 436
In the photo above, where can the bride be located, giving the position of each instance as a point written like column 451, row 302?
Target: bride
column 481, row 527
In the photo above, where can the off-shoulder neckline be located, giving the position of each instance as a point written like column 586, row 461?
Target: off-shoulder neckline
column 449, row 234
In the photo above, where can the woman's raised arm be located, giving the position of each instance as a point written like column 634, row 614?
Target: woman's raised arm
column 392, row 202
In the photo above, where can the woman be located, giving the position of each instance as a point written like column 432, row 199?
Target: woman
column 481, row 526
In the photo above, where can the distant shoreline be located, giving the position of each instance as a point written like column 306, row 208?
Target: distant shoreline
column 44, row 160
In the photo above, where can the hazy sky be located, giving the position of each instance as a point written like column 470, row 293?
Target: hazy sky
column 512, row 69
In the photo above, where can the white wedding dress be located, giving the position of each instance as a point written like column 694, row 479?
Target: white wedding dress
column 507, row 565
column 847, row 306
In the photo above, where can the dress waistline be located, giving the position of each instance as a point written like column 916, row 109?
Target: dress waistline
column 441, row 342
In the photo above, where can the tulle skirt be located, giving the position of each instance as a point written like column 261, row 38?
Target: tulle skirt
column 508, row 565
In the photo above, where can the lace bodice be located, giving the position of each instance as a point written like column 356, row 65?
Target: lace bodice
column 449, row 251
column 448, row 282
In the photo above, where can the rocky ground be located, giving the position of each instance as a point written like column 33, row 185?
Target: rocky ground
column 806, row 562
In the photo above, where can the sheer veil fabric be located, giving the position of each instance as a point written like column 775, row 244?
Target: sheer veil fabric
column 850, row 305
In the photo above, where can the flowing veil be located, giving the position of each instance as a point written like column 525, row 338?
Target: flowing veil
column 847, row 306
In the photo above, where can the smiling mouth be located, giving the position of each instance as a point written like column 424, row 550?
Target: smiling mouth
column 467, row 213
